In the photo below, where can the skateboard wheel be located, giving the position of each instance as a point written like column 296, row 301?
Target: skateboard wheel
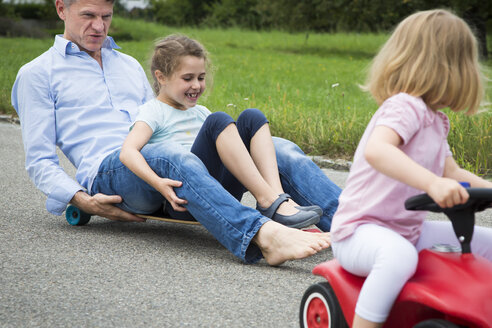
column 76, row 217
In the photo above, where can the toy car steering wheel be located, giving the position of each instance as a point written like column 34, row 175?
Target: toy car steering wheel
column 462, row 216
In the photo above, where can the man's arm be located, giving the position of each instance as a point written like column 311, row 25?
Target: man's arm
column 32, row 99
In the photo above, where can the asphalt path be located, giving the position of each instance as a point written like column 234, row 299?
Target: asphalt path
column 112, row 274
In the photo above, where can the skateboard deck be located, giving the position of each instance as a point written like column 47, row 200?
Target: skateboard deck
column 161, row 216
column 76, row 217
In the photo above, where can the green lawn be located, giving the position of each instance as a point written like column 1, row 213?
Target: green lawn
column 308, row 87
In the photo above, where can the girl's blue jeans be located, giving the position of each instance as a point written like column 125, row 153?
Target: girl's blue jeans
column 233, row 224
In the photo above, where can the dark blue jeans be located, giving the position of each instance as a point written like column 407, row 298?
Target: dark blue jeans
column 211, row 203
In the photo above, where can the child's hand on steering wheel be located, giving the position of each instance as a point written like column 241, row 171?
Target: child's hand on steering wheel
column 447, row 192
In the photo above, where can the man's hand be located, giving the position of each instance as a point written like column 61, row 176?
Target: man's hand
column 103, row 205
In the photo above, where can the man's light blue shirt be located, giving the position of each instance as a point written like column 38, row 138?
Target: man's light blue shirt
column 64, row 98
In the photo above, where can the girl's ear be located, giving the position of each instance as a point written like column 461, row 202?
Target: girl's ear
column 160, row 77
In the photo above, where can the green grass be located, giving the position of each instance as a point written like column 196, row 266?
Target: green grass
column 308, row 88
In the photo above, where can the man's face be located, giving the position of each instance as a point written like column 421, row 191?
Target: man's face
column 86, row 23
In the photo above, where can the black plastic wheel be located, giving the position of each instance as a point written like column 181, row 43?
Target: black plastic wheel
column 76, row 217
column 320, row 308
column 435, row 323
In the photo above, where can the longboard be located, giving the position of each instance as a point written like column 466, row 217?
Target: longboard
column 76, row 217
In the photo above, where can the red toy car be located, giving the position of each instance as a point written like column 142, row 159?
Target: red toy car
column 449, row 289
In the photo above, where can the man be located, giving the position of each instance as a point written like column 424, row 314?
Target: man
column 82, row 96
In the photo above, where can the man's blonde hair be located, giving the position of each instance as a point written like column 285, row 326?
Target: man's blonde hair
column 433, row 55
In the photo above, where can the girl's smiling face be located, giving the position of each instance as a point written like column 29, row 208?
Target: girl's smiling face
column 182, row 89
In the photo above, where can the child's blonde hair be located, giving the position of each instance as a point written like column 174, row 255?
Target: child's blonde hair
column 433, row 55
column 168, row 53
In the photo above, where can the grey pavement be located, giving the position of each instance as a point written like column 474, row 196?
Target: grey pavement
column 111, row 274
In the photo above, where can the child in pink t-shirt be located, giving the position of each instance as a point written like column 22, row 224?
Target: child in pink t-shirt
column 430, row 62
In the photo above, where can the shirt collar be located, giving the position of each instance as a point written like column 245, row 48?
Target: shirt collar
column 64, row 46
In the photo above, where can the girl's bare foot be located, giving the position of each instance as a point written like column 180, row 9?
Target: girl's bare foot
column 279, row 243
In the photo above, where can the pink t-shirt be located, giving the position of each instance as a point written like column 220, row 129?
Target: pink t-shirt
column 372, row 197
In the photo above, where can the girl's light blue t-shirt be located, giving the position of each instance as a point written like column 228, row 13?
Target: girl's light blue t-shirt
column 171, row 124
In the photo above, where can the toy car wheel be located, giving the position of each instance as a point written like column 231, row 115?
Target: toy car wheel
column 76, row 217
column 320, row 308
column 435, row 323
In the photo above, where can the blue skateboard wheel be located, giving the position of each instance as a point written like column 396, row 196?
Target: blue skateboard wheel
column 76, row 217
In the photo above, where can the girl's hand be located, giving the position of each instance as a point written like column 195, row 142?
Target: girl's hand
column 166, row 188
column 447, row 192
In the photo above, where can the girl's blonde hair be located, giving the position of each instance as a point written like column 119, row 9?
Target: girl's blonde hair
column 433, row 55
column 168, row 53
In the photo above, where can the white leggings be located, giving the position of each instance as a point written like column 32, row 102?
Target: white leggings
column 388, row 260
